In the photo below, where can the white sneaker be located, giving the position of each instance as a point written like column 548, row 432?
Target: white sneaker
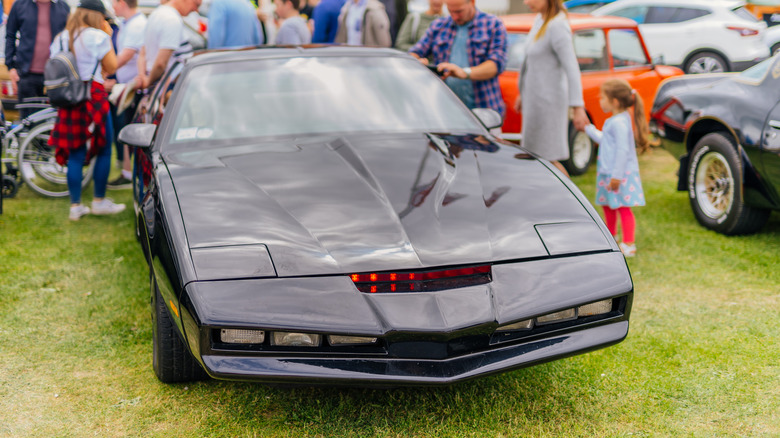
column 76, row 211
column 628, row 250
column 106, row 206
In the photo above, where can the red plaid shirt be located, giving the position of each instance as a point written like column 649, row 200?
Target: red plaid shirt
column 71, row 131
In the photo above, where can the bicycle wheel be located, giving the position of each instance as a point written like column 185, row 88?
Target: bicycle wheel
column 39, row 167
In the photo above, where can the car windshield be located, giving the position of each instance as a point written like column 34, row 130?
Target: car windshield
column 758, row 72
column 314, row 95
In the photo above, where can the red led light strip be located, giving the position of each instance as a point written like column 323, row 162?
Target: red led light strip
column 374, row 282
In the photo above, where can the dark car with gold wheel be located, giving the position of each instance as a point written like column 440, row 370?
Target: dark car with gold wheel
column 725, row 129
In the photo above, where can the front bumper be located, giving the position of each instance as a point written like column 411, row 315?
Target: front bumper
column 367, row 371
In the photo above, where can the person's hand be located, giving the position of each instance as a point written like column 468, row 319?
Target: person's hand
column 518, row 103
column 448, row 69
column 108, row 84
column 143, row 82
column 580, row 118
column 14, row 75
column 614, row 185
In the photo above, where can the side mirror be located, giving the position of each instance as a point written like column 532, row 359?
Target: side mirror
column 139, row 135
column 489, row 117
column 658, row 60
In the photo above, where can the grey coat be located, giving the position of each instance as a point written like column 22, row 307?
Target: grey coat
column 549, row 84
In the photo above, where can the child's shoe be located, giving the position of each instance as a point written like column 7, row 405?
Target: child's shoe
column 629, row 250
column 76, row 211
column 106, row 206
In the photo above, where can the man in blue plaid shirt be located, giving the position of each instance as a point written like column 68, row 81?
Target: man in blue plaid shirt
column 469, row 49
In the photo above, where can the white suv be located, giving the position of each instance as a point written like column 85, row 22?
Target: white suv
column 699, row 36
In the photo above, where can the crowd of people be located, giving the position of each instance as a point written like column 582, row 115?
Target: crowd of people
column 466, row 47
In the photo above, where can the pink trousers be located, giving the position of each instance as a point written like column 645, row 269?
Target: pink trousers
column 626, row 219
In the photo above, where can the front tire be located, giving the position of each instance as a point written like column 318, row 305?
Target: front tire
column 581, row 152
column 775, row 49
column 171, row 360
column 715, row 179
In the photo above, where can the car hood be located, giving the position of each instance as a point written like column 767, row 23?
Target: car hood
column 358, row 203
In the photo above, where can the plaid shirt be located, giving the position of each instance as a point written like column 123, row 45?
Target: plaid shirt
column 71, row 130
column 487, row 42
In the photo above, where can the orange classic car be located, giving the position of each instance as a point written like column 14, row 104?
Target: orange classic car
column 606, row 47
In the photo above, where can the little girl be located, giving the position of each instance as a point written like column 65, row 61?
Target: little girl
column 618, row 186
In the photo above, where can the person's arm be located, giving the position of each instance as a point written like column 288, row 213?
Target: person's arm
column 108, row 63
column 423, row 48
column 159, row 66
column 125, row 56
column 594, row 134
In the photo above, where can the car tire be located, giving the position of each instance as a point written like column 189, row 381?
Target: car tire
column 715, row 178
column 582, row 151
column 706, row 62
column 775, row 49
column 171, row 360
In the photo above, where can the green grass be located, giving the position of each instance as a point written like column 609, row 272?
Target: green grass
column 702, row 357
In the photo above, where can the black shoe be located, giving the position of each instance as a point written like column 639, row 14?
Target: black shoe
column 119, row 183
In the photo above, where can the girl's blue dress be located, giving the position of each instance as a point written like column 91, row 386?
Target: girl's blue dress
column 617, row 159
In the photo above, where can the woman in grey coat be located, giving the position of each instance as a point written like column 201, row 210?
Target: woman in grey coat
column 550, row 84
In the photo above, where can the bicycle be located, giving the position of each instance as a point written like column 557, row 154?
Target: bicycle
column 29, row 158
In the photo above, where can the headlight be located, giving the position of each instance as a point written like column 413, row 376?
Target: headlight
column 292, row 339
column 231, row 336
column 522, row 325
column 563, row 315
column 597, row 308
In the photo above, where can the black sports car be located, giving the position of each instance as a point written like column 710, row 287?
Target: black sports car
column 725, row 128
column 336, row 215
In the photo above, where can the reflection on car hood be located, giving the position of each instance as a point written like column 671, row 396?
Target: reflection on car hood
column 360, row 203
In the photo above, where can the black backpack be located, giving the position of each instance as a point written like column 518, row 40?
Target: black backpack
column 61, row 80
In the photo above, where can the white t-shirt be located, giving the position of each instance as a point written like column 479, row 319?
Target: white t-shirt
column 130, row 35
column 164, row 30
column 90, row 47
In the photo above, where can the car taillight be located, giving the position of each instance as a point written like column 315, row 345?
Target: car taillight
column 743, row 31
column 421, row 281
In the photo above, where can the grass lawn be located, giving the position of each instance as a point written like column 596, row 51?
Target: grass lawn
column 702, row 357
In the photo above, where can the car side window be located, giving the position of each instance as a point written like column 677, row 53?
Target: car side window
column 636, row 13
column 516, row 52
column 665, row 14
column 591, row 49
column 626, row 48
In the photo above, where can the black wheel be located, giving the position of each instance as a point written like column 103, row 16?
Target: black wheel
column 171, row 360
column 581, row 152
column 715, row 187
column 706, row 62
column 10, row 187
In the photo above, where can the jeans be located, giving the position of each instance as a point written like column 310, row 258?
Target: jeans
column 100, row 175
